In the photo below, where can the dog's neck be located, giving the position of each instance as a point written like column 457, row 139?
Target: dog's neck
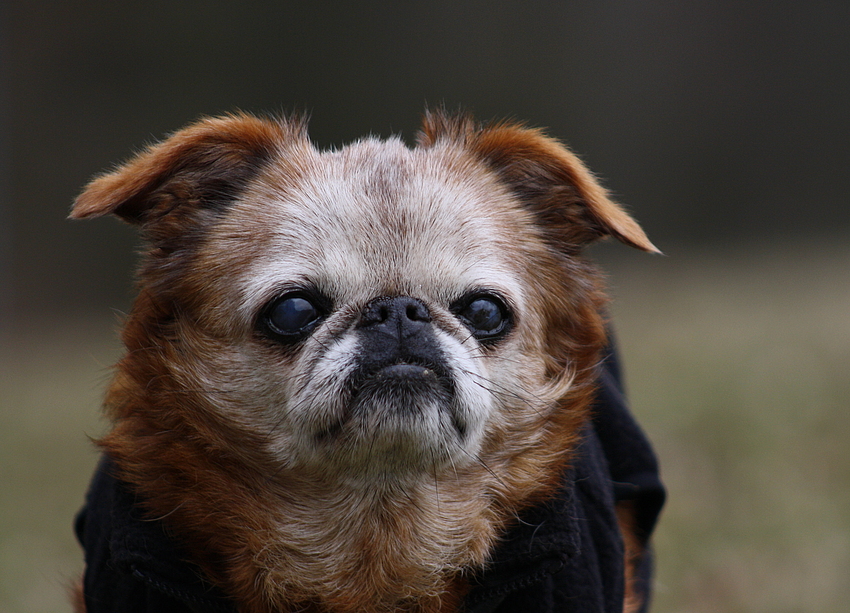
column 301, row 543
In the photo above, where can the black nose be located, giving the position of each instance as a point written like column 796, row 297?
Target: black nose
column 397, row 330
column 399, row 315
column 399, row 361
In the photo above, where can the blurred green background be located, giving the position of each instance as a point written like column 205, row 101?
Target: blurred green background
column 723, row 125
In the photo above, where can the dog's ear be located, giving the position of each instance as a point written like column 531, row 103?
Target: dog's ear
column 569, row 203
column 199, row 168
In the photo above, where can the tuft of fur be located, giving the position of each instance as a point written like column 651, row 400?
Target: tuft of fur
column 210, row 416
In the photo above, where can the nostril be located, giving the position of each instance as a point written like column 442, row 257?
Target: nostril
column 399, row 309
column 416, row 311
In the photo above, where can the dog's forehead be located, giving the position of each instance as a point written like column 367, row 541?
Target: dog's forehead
column 379, row 218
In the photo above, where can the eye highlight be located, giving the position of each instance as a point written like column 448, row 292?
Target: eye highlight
column 292, row 316
column 486, row 315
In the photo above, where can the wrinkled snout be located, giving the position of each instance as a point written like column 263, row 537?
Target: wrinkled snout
column 398, row 344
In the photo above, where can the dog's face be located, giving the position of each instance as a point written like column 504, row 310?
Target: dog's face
column 380, row 322
column 403, row 340
column 377, row 310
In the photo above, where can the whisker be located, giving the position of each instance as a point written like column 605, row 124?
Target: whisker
column 437, row 490
column 503, row 392
column 483, row 465
column 187, row 390
column 161, row 517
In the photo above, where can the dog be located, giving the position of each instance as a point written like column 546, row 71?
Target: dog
column 354, row 377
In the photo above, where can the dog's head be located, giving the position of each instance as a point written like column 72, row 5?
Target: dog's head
column 377, row 310
column 400, row 340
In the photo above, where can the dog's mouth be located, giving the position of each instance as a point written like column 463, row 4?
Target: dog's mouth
column 384, row 397
column 403, row 386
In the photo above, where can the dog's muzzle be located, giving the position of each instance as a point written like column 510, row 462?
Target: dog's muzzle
column 400, row 362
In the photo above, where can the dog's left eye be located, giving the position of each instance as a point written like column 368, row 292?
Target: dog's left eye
column 486, row 315
column 291, row 317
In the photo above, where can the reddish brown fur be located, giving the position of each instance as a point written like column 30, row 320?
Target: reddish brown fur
column 214, row 484
column 634, row 551
column 75, row 595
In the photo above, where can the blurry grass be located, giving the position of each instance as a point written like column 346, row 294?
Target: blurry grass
column 737, row 366
column 51, row 382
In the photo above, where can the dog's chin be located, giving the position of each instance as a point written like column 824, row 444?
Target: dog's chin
column 400, row 420
column 401, row 392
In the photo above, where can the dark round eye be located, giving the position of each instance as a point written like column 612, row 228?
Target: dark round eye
column 291, row 317
column 486, row 316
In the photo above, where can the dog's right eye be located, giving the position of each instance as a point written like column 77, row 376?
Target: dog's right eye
column 291, row 317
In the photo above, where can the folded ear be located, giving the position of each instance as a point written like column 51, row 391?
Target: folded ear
column 201, row 167
column 571, row 206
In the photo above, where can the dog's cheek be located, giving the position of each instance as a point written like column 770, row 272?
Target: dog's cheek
column 475, row 391
column 233, row 391
column 319, row 399
column 523, row 393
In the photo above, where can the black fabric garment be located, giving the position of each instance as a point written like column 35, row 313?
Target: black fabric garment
column 132, row 564
column 567, row 555
column 564, row 555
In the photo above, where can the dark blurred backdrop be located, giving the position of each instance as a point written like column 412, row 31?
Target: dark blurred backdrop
column 716, row 122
